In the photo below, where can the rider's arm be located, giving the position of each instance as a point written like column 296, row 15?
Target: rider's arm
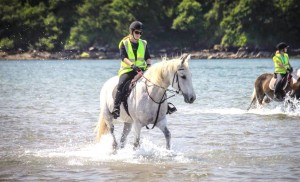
column 148, row 57
column 124, row 55
column 290, row 69
column 290, row 66
column 278, row 62
column 127, row 61
column 281, row 65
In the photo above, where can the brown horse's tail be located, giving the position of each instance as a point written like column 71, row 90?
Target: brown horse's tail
column 253, row 99
column 101, row 127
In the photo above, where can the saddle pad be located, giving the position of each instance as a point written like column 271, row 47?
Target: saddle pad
column 272, row 83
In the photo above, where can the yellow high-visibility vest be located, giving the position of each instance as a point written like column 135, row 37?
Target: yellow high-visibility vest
column 284, row 60
column 139, row 61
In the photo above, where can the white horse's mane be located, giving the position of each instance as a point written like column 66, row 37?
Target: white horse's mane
column 157, row 71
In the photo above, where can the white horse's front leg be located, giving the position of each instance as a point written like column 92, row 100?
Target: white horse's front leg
column 162, row 125
column 126, row 131
column 137, row 129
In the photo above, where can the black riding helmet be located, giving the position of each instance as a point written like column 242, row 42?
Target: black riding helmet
column 281, row 46
column 136, row 25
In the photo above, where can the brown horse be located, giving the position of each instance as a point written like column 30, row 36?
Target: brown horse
column 262, row 92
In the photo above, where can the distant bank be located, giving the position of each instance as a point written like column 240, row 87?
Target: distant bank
column 240, row 53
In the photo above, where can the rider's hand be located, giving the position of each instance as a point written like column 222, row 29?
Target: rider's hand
column 135, row 68
column 290, row 70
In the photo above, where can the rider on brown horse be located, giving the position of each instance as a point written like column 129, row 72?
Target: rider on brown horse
column 282, row 68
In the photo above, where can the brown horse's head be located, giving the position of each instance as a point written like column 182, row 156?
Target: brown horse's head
column 296, row 89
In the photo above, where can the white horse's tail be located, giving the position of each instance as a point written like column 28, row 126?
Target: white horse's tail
column 105, row 100
column 101, row 127
column 253, row 99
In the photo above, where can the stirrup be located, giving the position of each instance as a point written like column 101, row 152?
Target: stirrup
column 171, row 108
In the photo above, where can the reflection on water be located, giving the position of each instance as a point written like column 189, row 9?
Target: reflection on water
column 48, row 111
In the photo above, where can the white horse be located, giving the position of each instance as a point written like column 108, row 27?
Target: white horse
column 147, row 102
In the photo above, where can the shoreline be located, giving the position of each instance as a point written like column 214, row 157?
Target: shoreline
column 98, row 55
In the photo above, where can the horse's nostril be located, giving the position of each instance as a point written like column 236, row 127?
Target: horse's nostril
column 192, row 99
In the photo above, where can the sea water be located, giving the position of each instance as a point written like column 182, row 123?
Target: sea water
column 49, row 109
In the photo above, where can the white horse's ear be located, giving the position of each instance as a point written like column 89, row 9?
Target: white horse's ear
column 185, row 57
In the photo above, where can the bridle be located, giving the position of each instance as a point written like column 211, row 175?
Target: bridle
column 177, row 80
column 175, row 77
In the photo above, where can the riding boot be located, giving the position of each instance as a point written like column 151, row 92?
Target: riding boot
column 117, row 103
column 171, row 108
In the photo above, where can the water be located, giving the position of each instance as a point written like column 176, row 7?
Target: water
column 49, row 109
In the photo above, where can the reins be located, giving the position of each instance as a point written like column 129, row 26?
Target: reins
column 163, row 99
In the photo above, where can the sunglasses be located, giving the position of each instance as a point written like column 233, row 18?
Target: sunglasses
column 138, row 32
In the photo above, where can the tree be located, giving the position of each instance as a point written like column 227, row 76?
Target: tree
column 32, row 24
column 261, row 23
column 10, row 23
column 54, row 25
column 95, row 26
column 215, row 13
column 189, row 20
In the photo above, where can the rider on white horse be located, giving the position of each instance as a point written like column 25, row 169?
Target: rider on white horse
column 135, row 59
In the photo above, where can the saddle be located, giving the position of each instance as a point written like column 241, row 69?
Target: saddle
column 128, row 87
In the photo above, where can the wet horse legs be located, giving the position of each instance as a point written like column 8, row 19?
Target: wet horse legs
column 163, row 127
column 126, row 131
column 137, row 129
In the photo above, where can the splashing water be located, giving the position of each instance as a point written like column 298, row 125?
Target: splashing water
column 103, row 152
column 292, row 106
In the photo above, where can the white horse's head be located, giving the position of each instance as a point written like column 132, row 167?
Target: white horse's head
column 182, row 80
column 176, row 73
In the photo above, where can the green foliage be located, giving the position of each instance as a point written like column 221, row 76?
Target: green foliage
column 94, row 25
column 34, row 24
column 261, row 23
column 54, row 25
column 10, row 20
column 6, row 44
column 188, row 15
column 233, row 25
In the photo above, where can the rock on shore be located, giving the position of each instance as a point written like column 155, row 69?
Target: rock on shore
column 114, row 54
